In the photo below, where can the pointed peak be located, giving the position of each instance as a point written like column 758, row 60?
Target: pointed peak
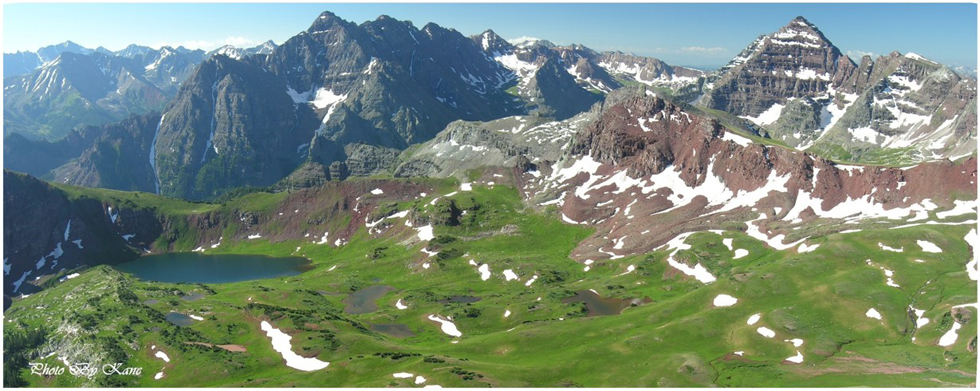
column 491, row 42
column 490, row 34
column 432, row 26
column 801, row 24
column 800, row 31
column 326, row 21
column 801, row 21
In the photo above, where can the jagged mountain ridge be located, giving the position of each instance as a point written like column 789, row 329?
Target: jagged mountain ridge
column 370, row 108
column 594, row 70
column 23, row 62
column 381, row 86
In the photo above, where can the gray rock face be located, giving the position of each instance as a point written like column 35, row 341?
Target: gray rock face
column 802, row 91
column 795, row 62
column 374, row 88
column 231, row 125
column 117, row 158
column 648, row 71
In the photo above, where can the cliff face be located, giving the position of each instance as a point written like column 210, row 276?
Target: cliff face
column 46, row 232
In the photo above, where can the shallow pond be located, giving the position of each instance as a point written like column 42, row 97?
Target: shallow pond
column 179, row 319
column 193, row 296
column 599, row 306
column 362, row 301
column 394, row 330
column 212, row 269
column 460, row 299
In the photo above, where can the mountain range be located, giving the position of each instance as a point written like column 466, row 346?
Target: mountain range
column 350, row 98
column 532, row 214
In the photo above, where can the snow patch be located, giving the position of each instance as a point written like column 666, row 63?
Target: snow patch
column 950, row 337
column 163, row 356
column 724, row 300
column 766, row 117
column 447, row 326
column 928, row 247
column 425, row 233
column 766, row 332
column 873, row 313
column 281, row 344
column 892, row 249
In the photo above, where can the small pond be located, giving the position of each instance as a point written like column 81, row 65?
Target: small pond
column 212, row 269
column 394, row 330
column 179, row 319
column 598, row 306
column 363, row 301
column 460, row 299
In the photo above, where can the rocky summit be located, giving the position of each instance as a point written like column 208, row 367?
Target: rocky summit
column 798, row 87
column 386, row 205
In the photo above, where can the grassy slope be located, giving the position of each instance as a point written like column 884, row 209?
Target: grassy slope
column 677, row 340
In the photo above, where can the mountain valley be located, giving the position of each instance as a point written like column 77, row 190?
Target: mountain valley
column 477, row 212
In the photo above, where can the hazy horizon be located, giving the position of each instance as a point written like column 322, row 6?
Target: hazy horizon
column 698, row 35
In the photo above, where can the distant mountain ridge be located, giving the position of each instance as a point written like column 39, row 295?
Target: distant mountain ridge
column 95, row 87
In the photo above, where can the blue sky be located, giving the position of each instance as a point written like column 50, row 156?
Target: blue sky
column 705, row 35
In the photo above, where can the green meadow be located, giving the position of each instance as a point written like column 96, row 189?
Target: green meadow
column 677, row 338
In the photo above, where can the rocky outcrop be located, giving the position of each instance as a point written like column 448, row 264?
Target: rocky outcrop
column 647, row 170
column 912, row 105
column 502, row 143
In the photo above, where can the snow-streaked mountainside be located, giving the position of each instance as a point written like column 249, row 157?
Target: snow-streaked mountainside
column 341, row 99
column 468, row 211
column 641, row 161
